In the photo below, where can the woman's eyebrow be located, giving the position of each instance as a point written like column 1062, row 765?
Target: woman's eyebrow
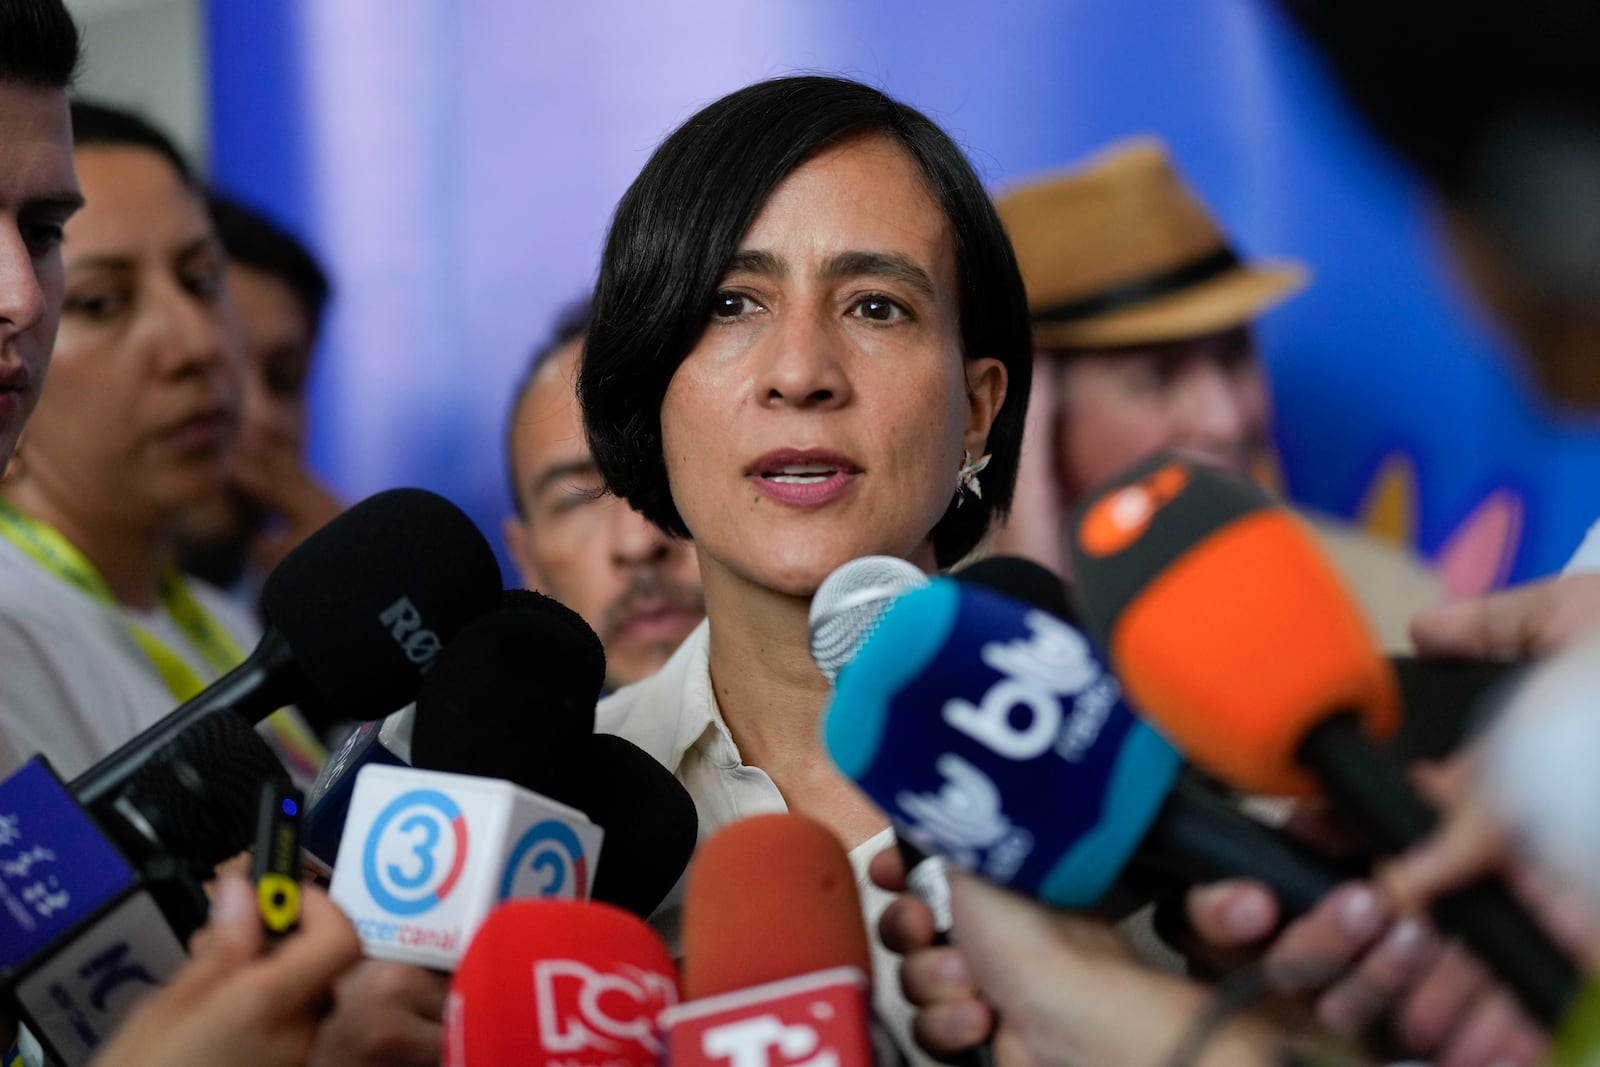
column 894, row 266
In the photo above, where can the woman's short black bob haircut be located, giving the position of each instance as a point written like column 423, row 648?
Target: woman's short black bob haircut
column 678, row 227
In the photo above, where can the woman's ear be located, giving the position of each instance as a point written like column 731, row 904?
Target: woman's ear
column 986, row 392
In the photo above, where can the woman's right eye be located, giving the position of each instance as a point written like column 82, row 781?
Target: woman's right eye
column 728, row 305
column 95, row 305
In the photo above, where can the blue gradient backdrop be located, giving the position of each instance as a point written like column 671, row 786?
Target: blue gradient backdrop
column 456, row 162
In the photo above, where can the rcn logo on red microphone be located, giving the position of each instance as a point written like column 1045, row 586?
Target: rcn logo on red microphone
column 415, row 852
column 590, row 1017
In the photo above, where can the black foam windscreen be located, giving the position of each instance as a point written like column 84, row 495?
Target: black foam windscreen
column 201, row 791
column 515, row 689
column 1022, row 580
column 648, row 816
column 367, row 602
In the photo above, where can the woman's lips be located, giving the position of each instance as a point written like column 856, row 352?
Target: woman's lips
column 653, row 623
column 803, row 478
column 212, row 430
column 13, row 387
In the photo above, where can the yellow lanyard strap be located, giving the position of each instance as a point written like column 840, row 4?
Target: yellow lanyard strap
column 47, row 547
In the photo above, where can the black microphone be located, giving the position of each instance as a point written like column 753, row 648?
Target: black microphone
column 513, row 697
column 517, row 688
column 355, row 615
column 649, row 818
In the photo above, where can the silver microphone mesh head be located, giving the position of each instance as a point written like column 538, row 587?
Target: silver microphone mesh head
column 849, row 603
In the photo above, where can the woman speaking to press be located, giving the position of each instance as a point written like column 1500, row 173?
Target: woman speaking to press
column 809, row 338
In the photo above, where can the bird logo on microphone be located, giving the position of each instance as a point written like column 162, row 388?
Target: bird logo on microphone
column 415, row 852
column 1121, row 517
column 546, row 861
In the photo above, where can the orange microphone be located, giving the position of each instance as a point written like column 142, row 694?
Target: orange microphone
column 776, row 962
column 1234, row 634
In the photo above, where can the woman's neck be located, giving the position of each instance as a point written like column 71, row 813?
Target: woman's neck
column 772, row 695
column 126, row 553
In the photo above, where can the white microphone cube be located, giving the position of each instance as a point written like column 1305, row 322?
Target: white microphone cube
column 427, row 855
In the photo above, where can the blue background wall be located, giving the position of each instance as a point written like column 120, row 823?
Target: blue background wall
column 456, row 162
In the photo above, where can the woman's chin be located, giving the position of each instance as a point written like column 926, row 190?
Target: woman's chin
column 801, row 574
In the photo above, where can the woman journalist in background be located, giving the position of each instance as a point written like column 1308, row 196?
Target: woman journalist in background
column 100, row 635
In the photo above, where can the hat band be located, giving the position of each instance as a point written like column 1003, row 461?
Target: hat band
column 1141, row 290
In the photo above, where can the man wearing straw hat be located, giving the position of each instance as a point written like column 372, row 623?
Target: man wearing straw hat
column 1142, row 315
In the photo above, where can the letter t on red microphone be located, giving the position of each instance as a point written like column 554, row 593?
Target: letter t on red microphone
column 821, row 1019
column 775, row 952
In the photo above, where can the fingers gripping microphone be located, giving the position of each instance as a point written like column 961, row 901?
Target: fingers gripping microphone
column 549, row 983
column 100, row 904
column 1229, row 628
column 356, row 614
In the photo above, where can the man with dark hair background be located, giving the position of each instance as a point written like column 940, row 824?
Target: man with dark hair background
column 638, row 587
column 279, row 293
column 38, row 193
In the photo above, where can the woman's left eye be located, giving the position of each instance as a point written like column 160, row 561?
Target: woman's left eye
column 879, row 308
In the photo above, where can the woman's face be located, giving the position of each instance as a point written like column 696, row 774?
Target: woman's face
column 823, row 413
column 142, row 403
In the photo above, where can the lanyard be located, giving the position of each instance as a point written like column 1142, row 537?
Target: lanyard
column 46, row 547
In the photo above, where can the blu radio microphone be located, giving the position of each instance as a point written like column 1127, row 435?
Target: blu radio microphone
column 992, row 734
column 355, row 615
column 100, row 904
column 776, row 961
column 549, row 983
column 1233, row 632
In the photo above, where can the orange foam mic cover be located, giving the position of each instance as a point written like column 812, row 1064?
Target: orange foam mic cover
column 769, row 897
column 1246, row 642
column 1227, row 626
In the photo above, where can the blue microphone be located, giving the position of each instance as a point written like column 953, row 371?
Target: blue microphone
column 992, row 734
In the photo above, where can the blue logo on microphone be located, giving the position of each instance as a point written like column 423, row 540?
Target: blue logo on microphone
column 547, row 861
column 415, row 852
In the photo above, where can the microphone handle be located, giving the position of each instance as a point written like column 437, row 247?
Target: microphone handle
column 1199, row 837
column 926, row 876
column 254, row 689
column 1374, row 792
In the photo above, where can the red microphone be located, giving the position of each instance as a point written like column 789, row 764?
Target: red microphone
column 559, row 983
column 1230, row 629
column 776, row 961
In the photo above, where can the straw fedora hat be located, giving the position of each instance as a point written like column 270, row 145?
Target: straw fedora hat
column 1119, row 251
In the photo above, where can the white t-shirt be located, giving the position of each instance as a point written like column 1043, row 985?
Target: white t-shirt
column 673, row 715
column 74, row 684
